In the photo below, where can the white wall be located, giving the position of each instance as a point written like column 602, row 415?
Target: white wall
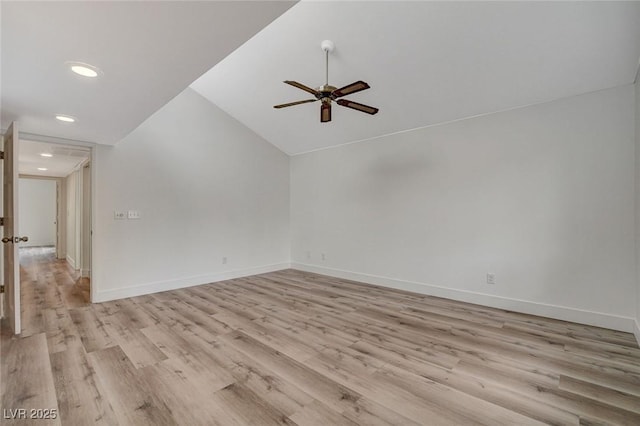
column 70, row 183
column 206, row 186
column 37, row 198
column 541, row 196
column 637, row 228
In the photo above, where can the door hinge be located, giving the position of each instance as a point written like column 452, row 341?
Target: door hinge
column 1, row 289
column 1, row 155
column 1, row 221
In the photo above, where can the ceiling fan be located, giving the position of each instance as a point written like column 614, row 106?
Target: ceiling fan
column 327, row 93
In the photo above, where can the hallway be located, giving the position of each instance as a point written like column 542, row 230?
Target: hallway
column 47, row 284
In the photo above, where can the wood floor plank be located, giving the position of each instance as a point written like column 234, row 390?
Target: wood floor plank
column 191, row 353
column 468, row 408
column 196, row 316
column 197, row 302
column 579, row 367
column 80, row 398
column 75, row 294
column 93, row 334
column 186, row 390
column 60, row 330
column 489, row 391
column 587, row 409
column 34, row 390
column 338, row 397
column 292, row 347
column 247, row 407
column 601, row 394
column 281, row 394
column 318, row 414
column 112, row 307
column 132, row 398
column 138, row 348
column 370, row 413
column 363, row 380
column 313, row 335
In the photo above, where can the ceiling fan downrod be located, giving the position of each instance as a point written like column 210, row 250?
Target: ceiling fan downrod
column 328, row 47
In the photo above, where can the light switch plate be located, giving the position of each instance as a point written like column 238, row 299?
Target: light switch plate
column 133, row 214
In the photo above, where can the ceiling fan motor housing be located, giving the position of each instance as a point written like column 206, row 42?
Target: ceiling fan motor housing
column 324, row 92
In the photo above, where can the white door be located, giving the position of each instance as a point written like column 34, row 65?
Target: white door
column 10, row 229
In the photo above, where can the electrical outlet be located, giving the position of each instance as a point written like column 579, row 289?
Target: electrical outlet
column 323, row 257
column 491, row 278
column 224, row 260
column 117, row 215
column 308, row 255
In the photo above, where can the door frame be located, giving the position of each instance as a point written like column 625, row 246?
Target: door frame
column 92, row 147
column 10, row 231
column 81, row 225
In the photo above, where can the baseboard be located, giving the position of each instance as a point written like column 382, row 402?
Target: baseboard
column 159, row 286
column 71, row 262
column 564, row 313
column 85, row 273
column 636, row 330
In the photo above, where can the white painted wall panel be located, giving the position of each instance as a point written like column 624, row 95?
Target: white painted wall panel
column 542, row 196
column 37, row 211
column 206, row 187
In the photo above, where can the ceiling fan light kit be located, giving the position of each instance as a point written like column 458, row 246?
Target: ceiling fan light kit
column 326, row 93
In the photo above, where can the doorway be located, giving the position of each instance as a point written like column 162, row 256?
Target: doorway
column 65, row 172
column 38, row 214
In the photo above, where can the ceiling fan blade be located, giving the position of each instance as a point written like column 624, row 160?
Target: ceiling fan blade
column 302, row 86
column 294, row 103
column 350, row 88
column 357, row 106
column 325, row 112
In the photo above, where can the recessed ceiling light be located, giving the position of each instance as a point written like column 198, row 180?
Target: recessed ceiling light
column 84, row 70
column 65, row 118
column 45, row 154
column 42, row 169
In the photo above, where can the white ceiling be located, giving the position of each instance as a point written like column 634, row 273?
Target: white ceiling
column 427, row 63
column 63, row 161
column 148, row 51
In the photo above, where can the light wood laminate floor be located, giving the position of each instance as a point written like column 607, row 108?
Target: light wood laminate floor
column 298, row 348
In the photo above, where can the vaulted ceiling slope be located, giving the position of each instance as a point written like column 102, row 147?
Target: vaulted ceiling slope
column 148, row 53
column 427, row 63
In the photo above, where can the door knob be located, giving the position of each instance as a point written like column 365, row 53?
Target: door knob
column 14, row 239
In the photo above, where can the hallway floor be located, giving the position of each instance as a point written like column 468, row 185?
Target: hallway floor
column 47, row 282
